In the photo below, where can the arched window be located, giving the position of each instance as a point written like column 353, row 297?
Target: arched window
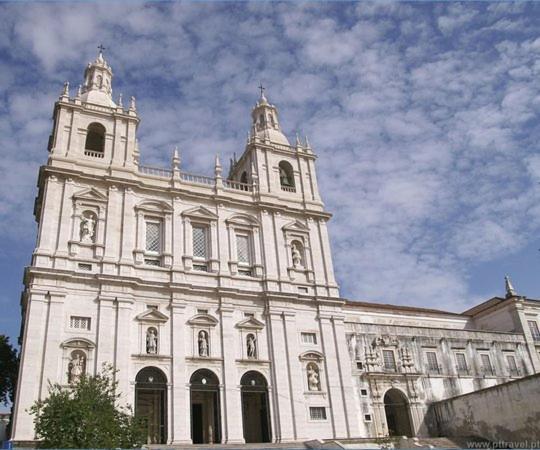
column 95, row 138
column 286, row 176
column 244, row 177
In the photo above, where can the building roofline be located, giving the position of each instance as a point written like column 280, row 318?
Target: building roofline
column 401, row 308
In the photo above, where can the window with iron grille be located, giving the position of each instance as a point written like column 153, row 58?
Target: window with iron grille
column 389, row 360
column 309, row 338
column 512, row 365
column 461, row 362
column 153, row 237
column 486, row 364
column 200, row 242
column 535, row 332
column 79, row 323
column 243, row 250
column 432, row 363
column 317, row 413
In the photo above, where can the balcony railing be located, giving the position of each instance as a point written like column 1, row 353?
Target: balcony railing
column 156, row 171
column 437, row 370
column 288, row 188
column 230, row 184
column 94, row 154
column 197, row 179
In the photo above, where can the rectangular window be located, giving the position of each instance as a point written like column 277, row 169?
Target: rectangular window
column 461, row 363
column 85, row 266
column 200, row 242
column 79, row 323
column 486, row 364
column 309, row 338
column 432, row 363
column 535, row 332
column 153, row 237
column 363, row 392
column 389, row 360
column 367, row 417
column 512, row 365
column 243, row 251
column 317, row 413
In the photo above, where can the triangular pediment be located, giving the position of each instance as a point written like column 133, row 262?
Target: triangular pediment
column 152, row 315
column 296, row 225
column 251, row 324
column 203, row 320
column 200, row 212
column 90, row 194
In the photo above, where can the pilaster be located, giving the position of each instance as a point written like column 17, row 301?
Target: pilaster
column 232, row 426
column 105, row 332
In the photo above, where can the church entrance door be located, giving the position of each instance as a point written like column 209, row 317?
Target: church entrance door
column 151, row 403
column 205, row 409
column 255, row 410
column 396, row 407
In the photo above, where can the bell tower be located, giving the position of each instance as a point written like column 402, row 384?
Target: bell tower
column 283, row 172
column 92, row 130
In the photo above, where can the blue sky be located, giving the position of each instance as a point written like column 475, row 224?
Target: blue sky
column 424, row 117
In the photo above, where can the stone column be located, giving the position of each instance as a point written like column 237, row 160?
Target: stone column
column 346, row 377
column 53, row 338
column 296, row 376
column 129, row 230
column 31, row 360
column 333, row 377
column 48, row 227
column 180, row 427
column 112, row 233
column 124, row 307
column 283, row 417
column 232, row 429
column 64, row 225
column 105, row 332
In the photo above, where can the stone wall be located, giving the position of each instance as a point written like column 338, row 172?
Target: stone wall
column 507, row 412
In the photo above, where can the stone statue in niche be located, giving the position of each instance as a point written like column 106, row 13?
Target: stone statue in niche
column 251, row 346
column 88, row 227
column 203, row 343
column 151, row 341
column 76, row 368
column 313, row 377
column 296, row 256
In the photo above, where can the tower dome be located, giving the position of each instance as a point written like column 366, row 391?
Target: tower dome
column 97, row 87
column 265, row 121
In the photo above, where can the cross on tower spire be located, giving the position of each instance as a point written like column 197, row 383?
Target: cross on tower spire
column 101, row 48
column 262, row 89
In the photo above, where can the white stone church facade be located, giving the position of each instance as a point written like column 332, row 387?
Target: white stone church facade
column 215, row 297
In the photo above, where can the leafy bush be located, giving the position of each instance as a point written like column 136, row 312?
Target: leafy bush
column 86, row 415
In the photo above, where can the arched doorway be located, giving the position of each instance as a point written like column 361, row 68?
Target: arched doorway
column 151, row 403
column 205, row 412
column 255, row 410
column 396, row 407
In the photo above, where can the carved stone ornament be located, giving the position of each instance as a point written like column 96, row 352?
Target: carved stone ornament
column 88, row 227
column 151, row 341
column 251, row 346
column 385, row 341
column 313, row 377
column 203, row 343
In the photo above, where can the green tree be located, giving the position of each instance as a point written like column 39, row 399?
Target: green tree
column 9, row 367
column 86, row 415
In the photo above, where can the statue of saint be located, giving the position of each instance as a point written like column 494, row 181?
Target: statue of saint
column 296, row 256
column 203, row 344
column 151, row 341
column 76, row 368
column 251, row 346
column 88, row 225
column 313, row 378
